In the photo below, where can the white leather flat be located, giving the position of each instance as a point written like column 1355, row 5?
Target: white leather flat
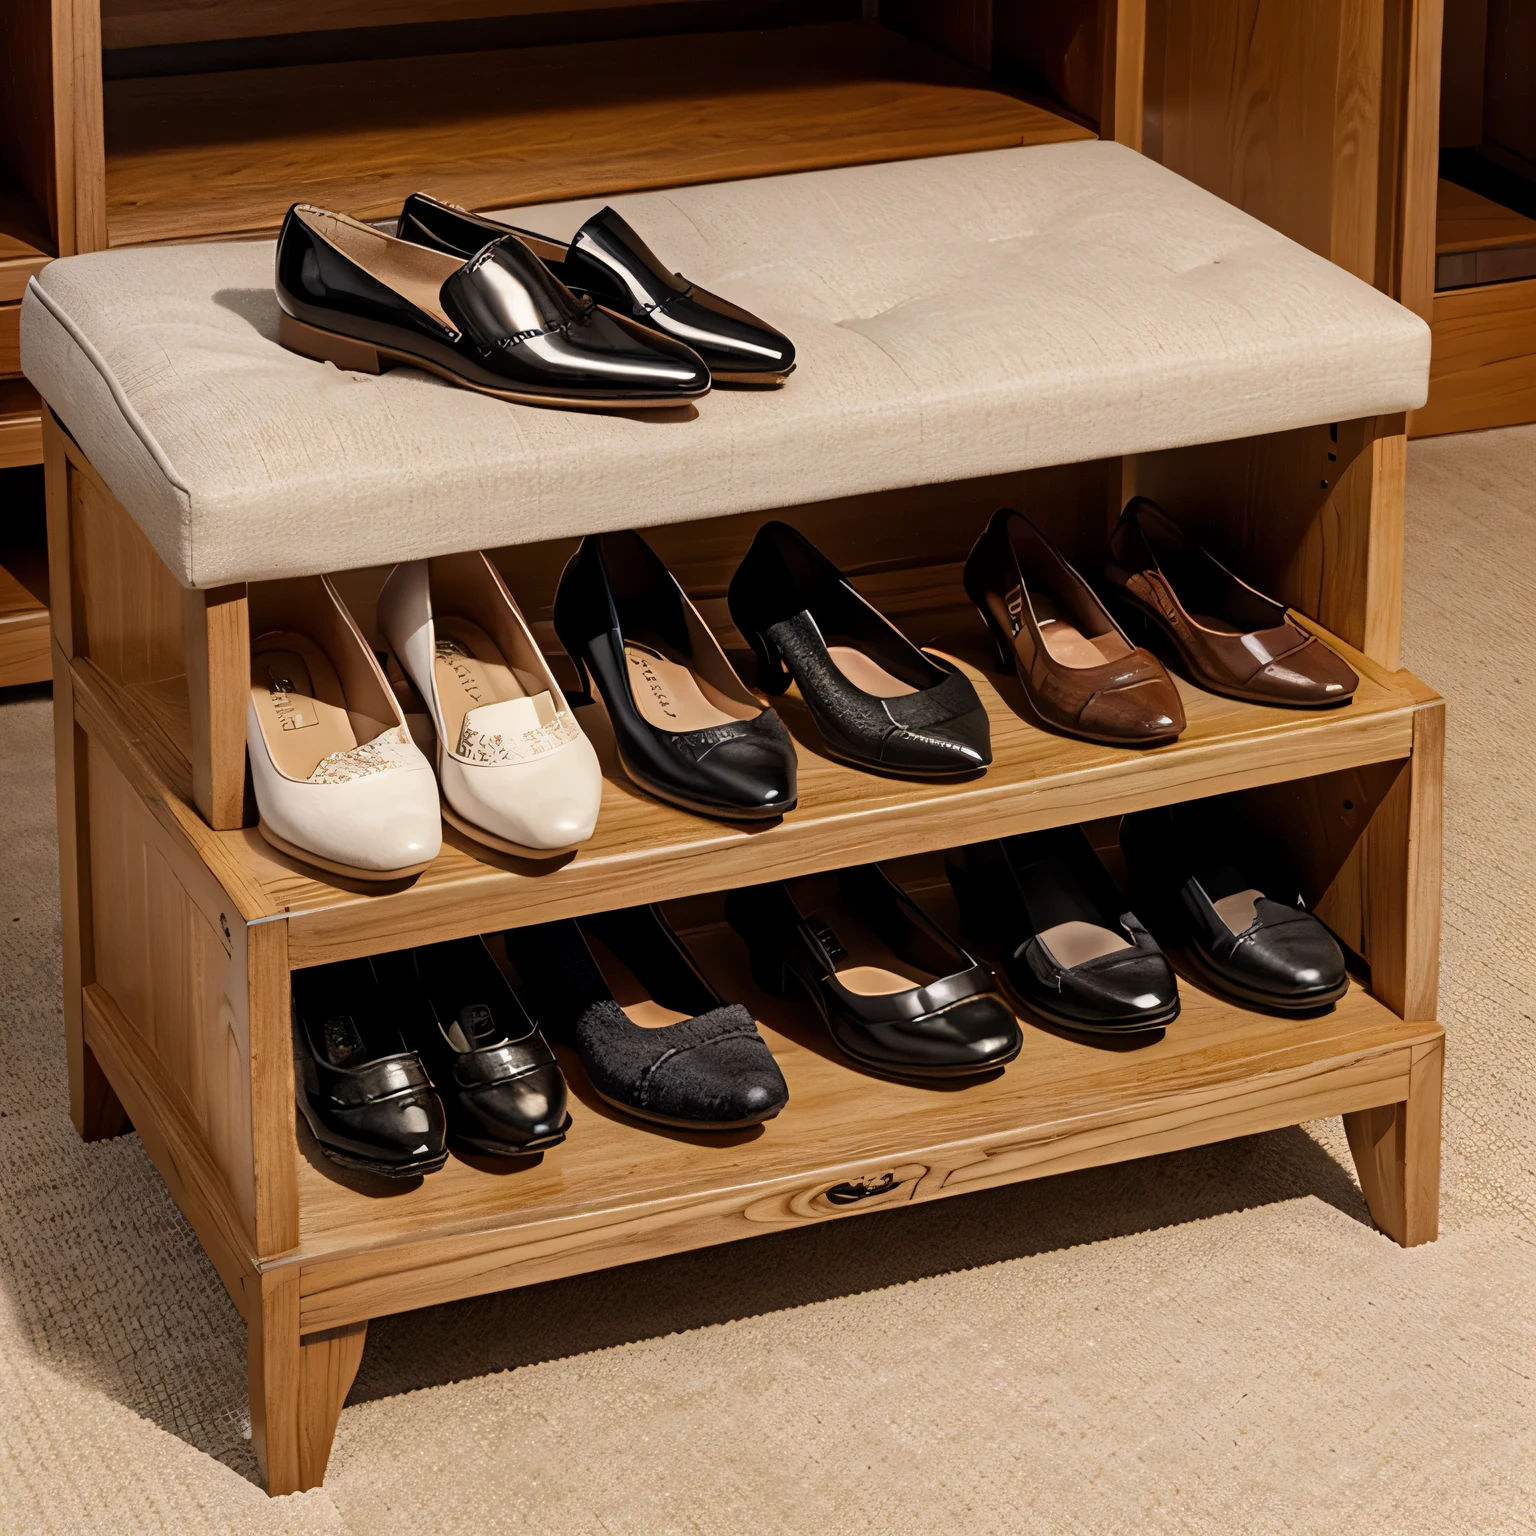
column 516, row 771
column 339, row 783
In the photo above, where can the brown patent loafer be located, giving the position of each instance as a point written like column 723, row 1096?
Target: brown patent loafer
column 1230, row 638
column 1079, row 671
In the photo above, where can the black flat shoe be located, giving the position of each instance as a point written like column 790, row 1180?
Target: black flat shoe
column 687, row 728
column 896, row 993
column 499, row 323
column 498, row 1080
column 609, row 262
column 365, row 1094
column 1047, row 904
column 656, row 1039
column 1194, row 885
column 878, row 701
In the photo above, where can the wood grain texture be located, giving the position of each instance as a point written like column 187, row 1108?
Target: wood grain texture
column 1413, row 283
column 1122, row 52
column 1467, row 221
column 10, row 339
column 126, row 606
column 1396, row 1148
column 267, row 1007
column 27, row 173
column 616, row 1192
column 173, row 1135
column 530, row 125
column 21, row 424
column 175, row 982
column 25, row 649
column 328, row 1363
column 78, row 128
column 217, row 646
column 152, row 23
column 97, row 1112
column 1482, row 372
column 274, row 1378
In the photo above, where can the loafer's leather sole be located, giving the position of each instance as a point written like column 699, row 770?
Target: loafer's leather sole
column 304, row 856
column 501, row 844
column 763, row 380
column 484, row 1147
column 365, row 357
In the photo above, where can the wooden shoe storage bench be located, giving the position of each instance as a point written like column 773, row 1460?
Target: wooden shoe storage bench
column 182, row 926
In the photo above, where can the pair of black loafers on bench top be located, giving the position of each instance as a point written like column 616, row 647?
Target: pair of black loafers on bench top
column 687, row 727
column 595, row 323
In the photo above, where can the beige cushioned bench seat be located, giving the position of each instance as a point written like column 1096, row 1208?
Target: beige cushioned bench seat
column 955, row 317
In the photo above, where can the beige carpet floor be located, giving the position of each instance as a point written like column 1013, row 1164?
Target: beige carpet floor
column 1214, row 1341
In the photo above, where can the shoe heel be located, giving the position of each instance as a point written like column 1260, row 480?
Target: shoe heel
column 581, row 694
column 772, row 675
column 327, row 347
column 1000, row 647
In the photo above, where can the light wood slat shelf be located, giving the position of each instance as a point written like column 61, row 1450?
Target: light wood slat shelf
column 199, row 156
column 1037, row 779
column 617, row 1191
column 21, row 426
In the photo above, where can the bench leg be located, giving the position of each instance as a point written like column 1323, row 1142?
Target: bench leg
column 1396, row 1149
column 297, row 1386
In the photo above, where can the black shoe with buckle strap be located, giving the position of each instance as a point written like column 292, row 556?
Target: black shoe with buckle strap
column 608, row 262
column 896, row 993
column 500, row 322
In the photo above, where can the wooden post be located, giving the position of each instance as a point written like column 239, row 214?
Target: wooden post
column 214, row 633
column 1122, row 60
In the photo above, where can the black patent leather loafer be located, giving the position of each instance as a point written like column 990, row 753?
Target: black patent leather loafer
column 497, row 1077
column 655, row 1037
column 1195, row 883
column 500, row 322
column 364, row 1093
column 878, row 701
column 1047, row 905
column 896, row 993
column 686, row 726
column 610, row 263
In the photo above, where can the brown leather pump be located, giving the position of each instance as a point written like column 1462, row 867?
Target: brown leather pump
column 1080, row 673
column 1230, row 638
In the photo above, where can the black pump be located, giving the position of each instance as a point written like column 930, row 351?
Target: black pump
column 686, row 726
column 878, row 700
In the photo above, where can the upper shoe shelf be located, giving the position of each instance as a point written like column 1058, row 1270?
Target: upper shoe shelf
column 955, row 317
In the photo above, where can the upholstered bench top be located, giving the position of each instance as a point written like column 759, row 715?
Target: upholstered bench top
column 955, row 317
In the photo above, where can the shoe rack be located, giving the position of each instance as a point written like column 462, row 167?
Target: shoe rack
column 182, row 926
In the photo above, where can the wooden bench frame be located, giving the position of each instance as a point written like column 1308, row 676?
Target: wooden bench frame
column 181, row 926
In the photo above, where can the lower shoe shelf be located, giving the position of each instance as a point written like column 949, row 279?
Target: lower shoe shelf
column 848, row 1142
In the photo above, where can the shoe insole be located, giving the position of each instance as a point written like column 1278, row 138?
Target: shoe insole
column 470, row 672
column 628, row 992
column 299, row 703
column 415, row 272
column 671, row 696
column 1239, row 910
column 1067, row 644
column 868, row 966
column 475, row 1029
column 1073, row 943
column 866, row 674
